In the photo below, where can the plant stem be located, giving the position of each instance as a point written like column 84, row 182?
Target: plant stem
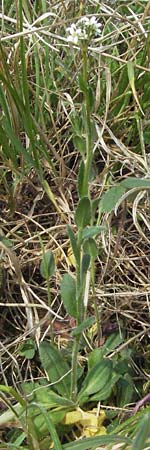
column 79, row 280
column 49, row 304
column 79, row 301
column 89, row 153
column 95, row 303
column 74, row 368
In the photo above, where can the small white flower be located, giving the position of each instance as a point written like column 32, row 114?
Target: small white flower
column 74, row 34
column 84, row 29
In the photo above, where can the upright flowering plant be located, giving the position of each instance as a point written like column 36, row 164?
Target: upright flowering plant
column 75, row 292
column 80, row 34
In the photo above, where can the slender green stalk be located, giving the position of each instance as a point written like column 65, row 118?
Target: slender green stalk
column 89, row 154
column 74, row 368
column 49, row 304
column 95, row 302
column 79, row 278
column 79, row 301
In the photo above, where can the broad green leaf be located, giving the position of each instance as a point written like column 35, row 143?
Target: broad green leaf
column 73, row 242
column 90, row 98
column 79, row 144
column 50, row 399
column 97, row 378
column 76, row 122
column 90, row 247
column 82, row 83
column 125, row 390
column 27, row 349
column 51, row 427
column 47, row 266
column 85, row 324
column 85, row 264
column 98, row 353
column 83, row 213
column 132, row 182
column 68, row 294
column 56, row 416
column 110, row 198
column 56, row 367
column 105, row 393
column 80, row 179
column 92, row 231
column 140, row 441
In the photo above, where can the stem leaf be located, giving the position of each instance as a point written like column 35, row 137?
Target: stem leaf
column 90, row 247
column 80, row 179
column 92, row 231
column 68, row 294
column 96, row 379
column 85, row 324
column 47, row 267
column 110, row 198
column 73, row 242
column 83, row 213
column 80, row 144
column 56, row 367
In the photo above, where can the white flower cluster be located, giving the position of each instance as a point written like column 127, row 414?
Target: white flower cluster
column 84, row 29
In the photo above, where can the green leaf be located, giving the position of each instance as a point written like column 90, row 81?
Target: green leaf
column 50, row 399
column 80, row 179
column 132, row 182
column 56, row 416
column 83, row 213
column 68, row 294
column 51, row 427
column 85, row 324
column 73, row 242
column 140, row 441
column 90, row 248
column 47, row 266
column 76, row 122
column 125, row 390
column 90, row 98
column 110, row 198
column 97, row 379
column 56, row 367
column 11, row 391
column 82, row 83
column 85, row 264
column 98, row 353
column 79, row 144
column 95, row 441
column 92, row 231
column 105, row 393
column 27, row 349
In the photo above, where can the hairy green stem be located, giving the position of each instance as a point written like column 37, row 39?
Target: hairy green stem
column 95, row 303
column 79, row 280
column 89, row 154
column 79, row 302
column 49, row 304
